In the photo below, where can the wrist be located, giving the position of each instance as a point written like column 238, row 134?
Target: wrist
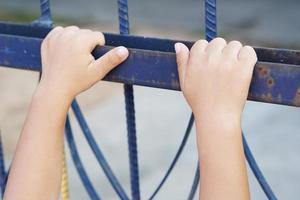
column 227, row 114
column 55, row 95
column 216, row 121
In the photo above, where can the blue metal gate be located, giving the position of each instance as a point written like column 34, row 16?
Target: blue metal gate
column 151, row 63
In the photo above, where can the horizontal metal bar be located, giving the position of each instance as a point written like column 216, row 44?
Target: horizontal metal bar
column 285, row 56
column 271, row 82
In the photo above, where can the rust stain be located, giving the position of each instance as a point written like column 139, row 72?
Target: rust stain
column 270, row 82
column 297, row 98
column 263, row 72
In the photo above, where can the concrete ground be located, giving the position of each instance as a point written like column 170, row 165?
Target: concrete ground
column 272, row 131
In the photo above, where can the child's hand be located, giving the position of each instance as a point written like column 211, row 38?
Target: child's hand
column 215, row 77
column 68, row 65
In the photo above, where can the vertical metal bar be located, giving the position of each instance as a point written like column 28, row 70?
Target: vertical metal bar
column 45, row 9
column 130, row 111
column 46, row 18
column 177, row 155
column 210, row 19
column 78, row 164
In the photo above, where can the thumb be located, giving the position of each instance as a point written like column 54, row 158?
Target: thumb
column 182, row 58
column 100, row 67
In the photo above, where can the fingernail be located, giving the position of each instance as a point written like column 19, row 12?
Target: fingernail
column 177, row 48
column 121, row 51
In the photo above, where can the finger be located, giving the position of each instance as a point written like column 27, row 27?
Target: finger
column 90, row 39
column 51, row 36
column 100, row 67
column 199, row 46
column 215, row 46
column 84, row 30
column 72, row 28
column 54, row 31
column 198, row 49
column 96, row 38
column 182, row 58
column 232, row 49
column 248, row 55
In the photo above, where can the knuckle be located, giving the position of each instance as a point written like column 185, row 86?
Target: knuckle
column 248, row 49
column 249, row 53
column 219, row 40
column 201, row 42
column 98, row 38
column 73, row 27
column 54, row 32
column 235, row 43
column 70, row 29
column 101, row 37
column 113, row 58
column 86, row 30
column 199, row 47
column 57, row 28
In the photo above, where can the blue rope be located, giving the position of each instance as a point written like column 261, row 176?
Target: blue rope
column 257, row 172
column 3, row 174
column 97, row 152
column 130, row 112
column 78, row 164
column 195, row 183
column 177, row 155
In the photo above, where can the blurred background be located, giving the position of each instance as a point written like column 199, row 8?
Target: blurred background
column 272, row 130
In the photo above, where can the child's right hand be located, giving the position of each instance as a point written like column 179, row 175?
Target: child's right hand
column 68, row 65
column 215, row 77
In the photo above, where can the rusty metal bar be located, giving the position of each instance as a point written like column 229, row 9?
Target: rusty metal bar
column 285, row 56
column 273, row 82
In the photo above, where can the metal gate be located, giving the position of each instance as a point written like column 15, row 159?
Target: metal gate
column 151, row 63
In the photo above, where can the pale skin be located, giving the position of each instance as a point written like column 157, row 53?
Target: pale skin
column 214, row 79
